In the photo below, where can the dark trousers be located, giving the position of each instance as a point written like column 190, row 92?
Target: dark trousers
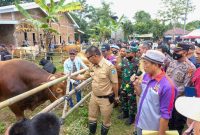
column 177, row 122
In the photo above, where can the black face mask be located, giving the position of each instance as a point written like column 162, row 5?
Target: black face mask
column 129, row 58
column 114, row 52
column 177, row 56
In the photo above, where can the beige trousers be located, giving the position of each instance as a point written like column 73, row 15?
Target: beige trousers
column 100, row 105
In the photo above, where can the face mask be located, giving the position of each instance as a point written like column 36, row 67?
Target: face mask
column 177, row 56
column 129, row 58
column 114, row 52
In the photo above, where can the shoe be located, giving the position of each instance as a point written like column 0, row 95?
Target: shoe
column 104, row 130
column 92, row 128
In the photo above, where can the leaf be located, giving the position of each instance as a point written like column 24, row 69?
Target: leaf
column 21, row 10
column 70, row 7
column 42, row 4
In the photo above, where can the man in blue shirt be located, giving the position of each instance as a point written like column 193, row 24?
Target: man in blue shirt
column 73, row 64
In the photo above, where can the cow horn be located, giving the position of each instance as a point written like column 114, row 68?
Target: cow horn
column 59, row 90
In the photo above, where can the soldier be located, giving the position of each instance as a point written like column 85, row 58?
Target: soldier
column 180, row 70
column 104, row 89
column 128, row 97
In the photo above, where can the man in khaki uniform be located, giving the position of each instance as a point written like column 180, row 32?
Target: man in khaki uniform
column 104, row 89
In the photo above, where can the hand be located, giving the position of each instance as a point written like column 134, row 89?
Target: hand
column 117, row 99
column 136, row 82
column 75, row 84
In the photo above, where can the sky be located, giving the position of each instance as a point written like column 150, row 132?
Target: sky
column 130, row 7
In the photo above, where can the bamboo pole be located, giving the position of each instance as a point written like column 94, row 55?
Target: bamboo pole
column 33, row 91
column 60, row 100
column 67, row 94
column 77, row 105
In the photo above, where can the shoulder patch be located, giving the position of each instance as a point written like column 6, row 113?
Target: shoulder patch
column 113, row 71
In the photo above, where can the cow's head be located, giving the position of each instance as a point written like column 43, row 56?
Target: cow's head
column 58, row 90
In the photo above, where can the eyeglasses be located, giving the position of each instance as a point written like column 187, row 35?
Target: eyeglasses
column 72, row 54
column 89, row 57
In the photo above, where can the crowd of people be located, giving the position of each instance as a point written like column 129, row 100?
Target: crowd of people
column 149, row 82
column 141, row 81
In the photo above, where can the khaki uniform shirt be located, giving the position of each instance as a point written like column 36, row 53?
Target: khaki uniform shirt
column 181, row 73
column 104, row 75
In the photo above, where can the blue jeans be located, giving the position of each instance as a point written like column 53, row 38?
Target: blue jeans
column 78, row 96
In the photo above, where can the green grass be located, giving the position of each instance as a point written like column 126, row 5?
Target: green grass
column 76, row 122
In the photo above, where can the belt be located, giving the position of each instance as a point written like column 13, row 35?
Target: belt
column 107, row 96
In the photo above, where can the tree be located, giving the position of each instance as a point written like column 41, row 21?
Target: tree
column 174, row 10
column 53, row 13
column 142, row 16
column 157, row 29
column 127, row 27
column 101, row 22
column 142, row 22
column 193, row 25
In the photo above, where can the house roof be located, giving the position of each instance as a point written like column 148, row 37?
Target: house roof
column 31, row 5
column 176, row 31
column 8, row 22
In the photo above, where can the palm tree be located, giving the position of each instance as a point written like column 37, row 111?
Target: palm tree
column 53, row 12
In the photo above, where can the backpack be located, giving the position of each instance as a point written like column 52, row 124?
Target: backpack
column 196, row 81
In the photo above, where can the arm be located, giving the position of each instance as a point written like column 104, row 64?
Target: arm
column 84, row 76
column 67, row 68
column 115, row 89
column 82, row 63
column 114, row 80
column 167, row 97
column 163, row 126
column 137, row 84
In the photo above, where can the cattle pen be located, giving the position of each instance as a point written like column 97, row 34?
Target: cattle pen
column 57, row 102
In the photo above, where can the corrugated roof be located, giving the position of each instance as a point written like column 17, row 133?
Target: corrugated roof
column 176, row 31
column 8, row 22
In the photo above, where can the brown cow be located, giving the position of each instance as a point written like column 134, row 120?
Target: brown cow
column 18, row 76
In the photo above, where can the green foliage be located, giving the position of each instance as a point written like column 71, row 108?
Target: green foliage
column 174, row 10
column 193, row 25
column 127, row 27
column 2, row 128
column 157, row 29
column 142, row 16
column 53, row 13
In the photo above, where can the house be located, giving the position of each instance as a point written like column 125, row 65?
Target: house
column 14, row 29
column 175, row 33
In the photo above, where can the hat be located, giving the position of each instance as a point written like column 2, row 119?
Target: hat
column 182, row 46
column 134, row 48
column 115, row 46
column 189, row 107
column 105, row 47
column 154, row 56
column 72, row 51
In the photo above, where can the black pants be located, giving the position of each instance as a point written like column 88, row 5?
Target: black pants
column 177, row 122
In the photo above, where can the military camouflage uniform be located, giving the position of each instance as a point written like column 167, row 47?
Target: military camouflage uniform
column 181, row 73
column 128, row 97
